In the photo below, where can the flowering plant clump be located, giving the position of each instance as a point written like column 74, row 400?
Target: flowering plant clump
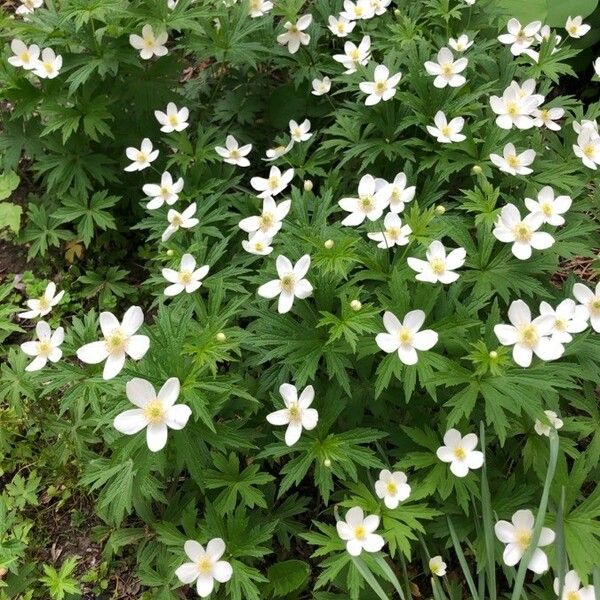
column 306, row 299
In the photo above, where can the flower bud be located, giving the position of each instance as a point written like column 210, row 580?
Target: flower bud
column 221, row 337
column 355, row 305
column 308, row 185
column 440, row 209
column 476, row 170
column 493, row 355
column 327, row 463
column 328, row 244
column 170, row 252
column 397, row 12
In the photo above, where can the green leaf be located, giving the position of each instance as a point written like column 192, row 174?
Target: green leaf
column 10, row 216
column 9, row 182
column 550, row 12
column 287, row 576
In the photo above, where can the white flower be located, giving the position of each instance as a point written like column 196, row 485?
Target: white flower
column 382, row 88
column 597, row 66
column 300, row 132
column 165, row 191
column 392, row 488
column 28, row 6
column 361, row 9
column 39, row 307
column 258, row 243
column 171, row 4
column 528, row 336
column 549, row 207
column 394, row 233
column 460, row 452
column 515, row 109
column 588, row 147
column 575, row 27
column 526, row 89
column 274, row 184
column 296, row 415
column 523, row 234
column 513, row 163
column 341, row 26
column 358, row 532
column 233, row 154
column 173, row 119
column 149, row 44
column 552, row 422
column 369, row 203
column 591, row 300
column 46, row 348
column 120, row 340
column 278, row 151
column 436, row 565
column 291, row 283
column 259, row 8
column 405, row 337
column 24, row 56
column 188, row 278
column 321, row 86
column 446, row 69
column 445, row 132
column 438, row 266
column 470, row 2
column 141, row 158
column 396, row 194
column 156, row 412
column 354, row 55
column 176, row 220
column 49, row 65
column 517, row 537
column 205, row 567
column 520, row 38
column 544, row 35
column 294, row 35
column 567, row 318
column 380, row 6
column 572, row 588
column 461, row 44
column 586, row 126
column 546, row 117
column 270, row 220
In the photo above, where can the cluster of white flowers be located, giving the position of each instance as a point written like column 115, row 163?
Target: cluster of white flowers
column 46, row 64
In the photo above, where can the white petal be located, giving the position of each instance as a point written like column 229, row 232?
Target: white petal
column 131, row 421
column 156, row 436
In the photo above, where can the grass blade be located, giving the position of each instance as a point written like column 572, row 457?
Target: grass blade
column 369, row 578
column 539, row 519
column 488, row 521
column 380, row 560
column 463, row 562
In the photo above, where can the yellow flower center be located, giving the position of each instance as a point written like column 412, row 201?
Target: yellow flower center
column 164, row 191
column 173, row 119
column 259, row 246
column 154, row 411
column 48, row 67
column 176, row 221
column 573, row 595
column 273, row 182
column 523, row 537
column 234, row 154
column 560, row 324
column 116, row 342
column 294, row 29
column 459, row 453
column 447, row 69
column 521, row 37
column 405, row 336
column 512, row 108
column 294, row 411
column 185, row 277
column 528, row 335
column 287, row 283
column 358, row 11
column 367, row 203
column 380, row 86
column 341, row 27
column 25, row 56
column 43, row 303
column 149, row 42
column 392, row 488
column 360, row 532
column 435, row 568
column 393, row 233
column 513, row 161
column 588, row 150
column 573, row 29
column 547, row 208
column 438, row 266
column 544, row 115
column 297, row 132
column 266, row 220
column 141, row 157
column 522, row 232
column 446, row 131
column 354, row 54
column 44, row 348
column 205, row 565
column 595, row 306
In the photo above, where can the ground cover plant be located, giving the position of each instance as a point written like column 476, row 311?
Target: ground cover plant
column 300, row 299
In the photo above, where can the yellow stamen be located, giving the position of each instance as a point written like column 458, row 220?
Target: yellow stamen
column 154, row 411
column 360, row 533
column 459, row 453
column 437, row 266
column 523, row 538
column 528, row 335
